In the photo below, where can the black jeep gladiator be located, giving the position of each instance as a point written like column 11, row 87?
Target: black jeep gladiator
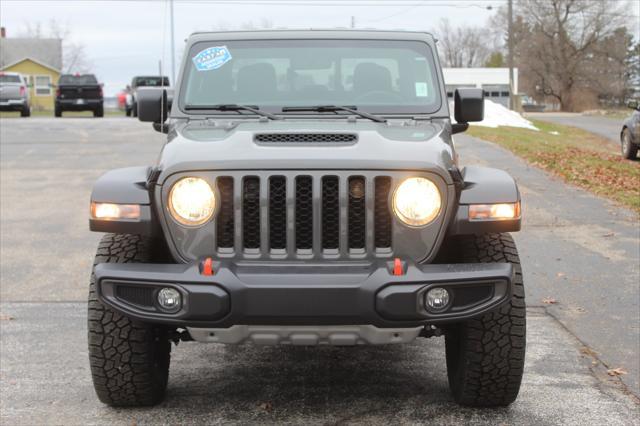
column 79, row 92
column 308, row 193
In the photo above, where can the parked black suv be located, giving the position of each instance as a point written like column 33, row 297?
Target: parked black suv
column 78, row 92
column 308, row 193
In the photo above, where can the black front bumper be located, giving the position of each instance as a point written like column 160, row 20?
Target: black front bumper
column 251, row 293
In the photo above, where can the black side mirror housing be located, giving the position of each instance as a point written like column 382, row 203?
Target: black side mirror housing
column 469, row 105
column 153, row 105
column 634, row 105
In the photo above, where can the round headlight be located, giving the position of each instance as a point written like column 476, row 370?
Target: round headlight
column 192, row 201
column 417, row 201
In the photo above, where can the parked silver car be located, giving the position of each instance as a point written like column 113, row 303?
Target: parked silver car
column 14, row 93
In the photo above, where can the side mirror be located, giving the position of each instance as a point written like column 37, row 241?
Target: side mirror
column 153, row 105
column 469, row 105
column 634, row 105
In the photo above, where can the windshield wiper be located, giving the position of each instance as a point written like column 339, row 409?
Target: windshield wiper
column 232, row 107
column 335, row 108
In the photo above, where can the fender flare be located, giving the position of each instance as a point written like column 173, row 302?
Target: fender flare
column 125, row 186
column 484, row 185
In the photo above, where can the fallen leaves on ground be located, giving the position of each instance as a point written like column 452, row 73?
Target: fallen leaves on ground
column 6, row 317
column 266, row 406
column 616, row 371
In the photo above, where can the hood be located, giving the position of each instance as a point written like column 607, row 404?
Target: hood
column 239, row 145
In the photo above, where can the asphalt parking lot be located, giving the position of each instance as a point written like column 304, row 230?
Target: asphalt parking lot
column 579, row 250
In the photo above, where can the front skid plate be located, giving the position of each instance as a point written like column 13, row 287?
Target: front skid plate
column 341, row 335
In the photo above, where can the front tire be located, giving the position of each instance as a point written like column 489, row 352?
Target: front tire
column 129, row 359
column 629, row 149
column 485, row 355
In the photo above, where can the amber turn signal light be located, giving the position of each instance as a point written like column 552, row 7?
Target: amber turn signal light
column 111, row 211
column 503, row 211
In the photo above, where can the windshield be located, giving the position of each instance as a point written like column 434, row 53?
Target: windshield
column 8, row 78
column 151, row 81
column 376, row 76
column 78, row 79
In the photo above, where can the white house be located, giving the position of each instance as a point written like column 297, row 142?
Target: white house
column 494, row 81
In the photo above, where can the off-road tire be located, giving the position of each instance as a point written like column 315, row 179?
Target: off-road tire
column 629, row 149
column 129, row 359
column 99, row 112
column 25, row 111
column 485, row 356
column 57, row 111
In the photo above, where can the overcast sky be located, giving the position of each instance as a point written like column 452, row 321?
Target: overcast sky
column 127, row 38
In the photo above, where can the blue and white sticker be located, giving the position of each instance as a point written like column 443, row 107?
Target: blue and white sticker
column 212, row 58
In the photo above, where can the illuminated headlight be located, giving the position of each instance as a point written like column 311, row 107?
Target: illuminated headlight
column 417, row 201
column 192, row 201
column 111, row 211
column 502, row 211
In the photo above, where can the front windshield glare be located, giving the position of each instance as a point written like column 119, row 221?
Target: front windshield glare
column 373, row 75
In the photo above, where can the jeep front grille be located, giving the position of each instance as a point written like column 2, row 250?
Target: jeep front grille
column 304, row 215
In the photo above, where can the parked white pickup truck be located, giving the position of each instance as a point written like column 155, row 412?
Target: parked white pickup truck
column 14, row 93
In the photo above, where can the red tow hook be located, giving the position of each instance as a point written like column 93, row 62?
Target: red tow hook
column 206, row 267
column 398, row 268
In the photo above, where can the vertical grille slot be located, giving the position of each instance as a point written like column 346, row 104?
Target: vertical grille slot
column 357, row 212
column 304, row 213
column 277, row 213
column 251, row 213
column 382, row 212
column 330, row 213
column 225, row 221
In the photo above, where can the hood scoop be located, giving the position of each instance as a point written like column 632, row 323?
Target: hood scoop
column 305, row 138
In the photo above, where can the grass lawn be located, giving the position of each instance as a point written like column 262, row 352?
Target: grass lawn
column 107, row 113
column 577, row 156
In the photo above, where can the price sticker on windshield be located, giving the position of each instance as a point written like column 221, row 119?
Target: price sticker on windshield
column 422, row 90
column 212, row 58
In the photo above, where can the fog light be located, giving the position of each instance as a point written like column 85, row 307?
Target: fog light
column 169, row 299
column 437, row 299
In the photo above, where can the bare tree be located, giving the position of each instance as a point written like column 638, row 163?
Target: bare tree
column 568, row 49
column 462, row 47
column 74, row 56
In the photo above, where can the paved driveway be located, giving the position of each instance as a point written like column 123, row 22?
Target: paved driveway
column 606, row 127
column 576, row 248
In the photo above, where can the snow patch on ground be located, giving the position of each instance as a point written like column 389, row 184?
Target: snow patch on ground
column 496, row 115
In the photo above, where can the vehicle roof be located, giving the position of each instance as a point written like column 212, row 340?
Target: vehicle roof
column 311, row 34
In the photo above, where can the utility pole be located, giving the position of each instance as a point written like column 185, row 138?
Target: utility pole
column 173, row 47
column 353, row 22
column 510, row 53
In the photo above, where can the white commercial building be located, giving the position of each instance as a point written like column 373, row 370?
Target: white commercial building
column 494, row 81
